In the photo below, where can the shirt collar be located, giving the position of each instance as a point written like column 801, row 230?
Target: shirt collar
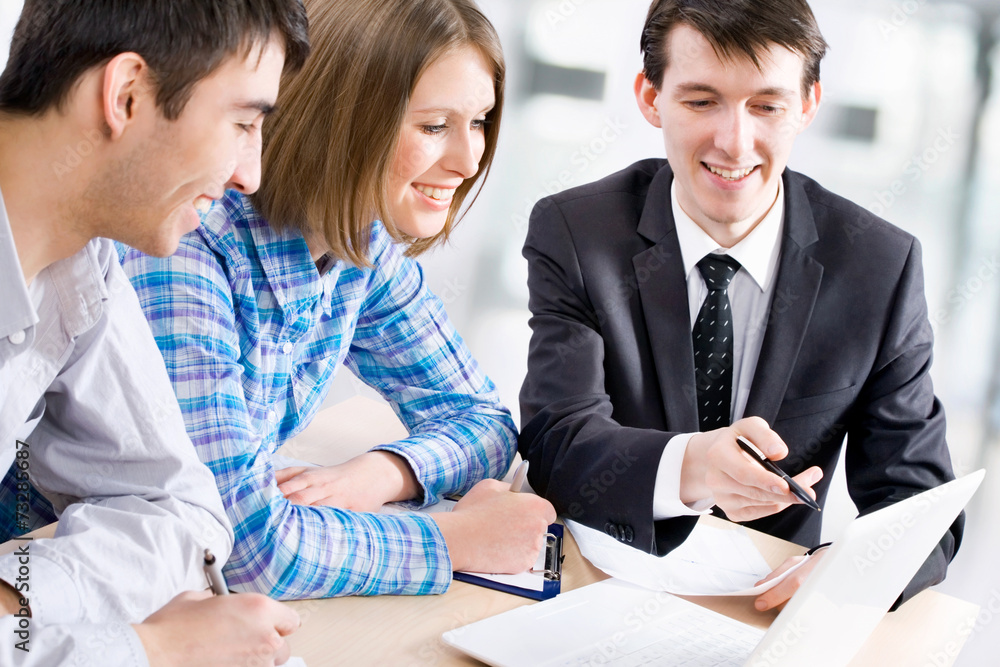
column 250, row 245
column 234, row 227
column 757, row 253
column 18, row 313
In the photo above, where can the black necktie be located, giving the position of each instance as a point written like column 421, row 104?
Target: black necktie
column 713, row 343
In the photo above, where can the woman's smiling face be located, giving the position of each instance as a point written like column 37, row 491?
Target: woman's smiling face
column 441, row 142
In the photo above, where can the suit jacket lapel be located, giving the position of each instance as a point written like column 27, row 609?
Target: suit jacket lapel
column 795, row 291
column 662, row 285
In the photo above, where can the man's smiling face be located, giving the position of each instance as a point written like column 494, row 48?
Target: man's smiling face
column 728, row 128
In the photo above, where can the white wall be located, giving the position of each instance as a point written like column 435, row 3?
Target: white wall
column 9, row 11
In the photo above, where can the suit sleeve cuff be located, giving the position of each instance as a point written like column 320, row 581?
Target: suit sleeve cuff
column 667, row 489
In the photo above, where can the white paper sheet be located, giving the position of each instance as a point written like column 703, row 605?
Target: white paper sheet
column 295, row 662
column 531, row 580
column 712, row 561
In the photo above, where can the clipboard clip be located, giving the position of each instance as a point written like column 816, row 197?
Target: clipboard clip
column 553, row 558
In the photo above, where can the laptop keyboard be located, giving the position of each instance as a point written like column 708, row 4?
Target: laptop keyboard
column 695, row 638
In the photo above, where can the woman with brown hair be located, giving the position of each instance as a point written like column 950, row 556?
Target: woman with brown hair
column 373, row 149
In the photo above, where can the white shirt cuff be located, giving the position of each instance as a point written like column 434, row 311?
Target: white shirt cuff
column 74, row 644
column 52, row 595
column 667, row 489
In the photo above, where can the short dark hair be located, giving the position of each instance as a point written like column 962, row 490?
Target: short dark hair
column 735, row 28
column 183, row 41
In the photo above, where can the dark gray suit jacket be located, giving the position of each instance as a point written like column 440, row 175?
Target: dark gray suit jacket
column 611, row 376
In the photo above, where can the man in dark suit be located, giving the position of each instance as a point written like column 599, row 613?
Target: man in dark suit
column 637, row 388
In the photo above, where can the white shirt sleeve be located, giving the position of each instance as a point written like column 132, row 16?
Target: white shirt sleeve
column 77, row 645
column 110, row 451
column 667, row 489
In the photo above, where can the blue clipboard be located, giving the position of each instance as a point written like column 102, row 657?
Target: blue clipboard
column 549, row 575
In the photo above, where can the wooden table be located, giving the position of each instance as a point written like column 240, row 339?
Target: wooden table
column 930, row 629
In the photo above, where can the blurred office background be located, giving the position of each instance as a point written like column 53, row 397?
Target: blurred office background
column 910, row 128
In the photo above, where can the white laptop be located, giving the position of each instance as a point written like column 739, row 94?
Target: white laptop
column 824, row 624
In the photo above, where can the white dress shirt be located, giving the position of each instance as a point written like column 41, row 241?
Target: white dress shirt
column 83, row 384
column 750, row 295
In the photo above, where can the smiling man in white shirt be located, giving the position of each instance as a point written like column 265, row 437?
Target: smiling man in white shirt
column 120, row 121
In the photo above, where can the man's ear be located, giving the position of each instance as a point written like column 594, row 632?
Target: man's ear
column 645, row 96
column 127, row 86
column 810, row 105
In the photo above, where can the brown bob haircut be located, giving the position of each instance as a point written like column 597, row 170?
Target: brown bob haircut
column 328, row 150
column 735, row 28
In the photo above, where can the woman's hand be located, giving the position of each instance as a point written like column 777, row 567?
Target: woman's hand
column 492, row 529
column 363, row 484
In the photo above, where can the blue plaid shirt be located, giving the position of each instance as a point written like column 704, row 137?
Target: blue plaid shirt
column 252, row 335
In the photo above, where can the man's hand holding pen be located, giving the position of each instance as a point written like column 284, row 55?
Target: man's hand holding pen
column 199, row 628
column 716, row 467
column 212, row 627
column 738, row 477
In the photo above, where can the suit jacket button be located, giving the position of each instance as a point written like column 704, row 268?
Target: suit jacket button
column 628, row 534
column 611, row 529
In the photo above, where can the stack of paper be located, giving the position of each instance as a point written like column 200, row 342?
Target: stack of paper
column 712, row 561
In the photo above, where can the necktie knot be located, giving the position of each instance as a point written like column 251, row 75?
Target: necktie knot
column 718, row 270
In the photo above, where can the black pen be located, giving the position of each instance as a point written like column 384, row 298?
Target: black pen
column 759, row 457
column 213, row 570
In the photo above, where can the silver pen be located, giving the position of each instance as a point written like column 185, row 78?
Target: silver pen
column 520, row 475
column 213, row 571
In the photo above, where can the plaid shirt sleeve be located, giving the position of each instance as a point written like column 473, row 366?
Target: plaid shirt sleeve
column 284, row 550
column 406, row 348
